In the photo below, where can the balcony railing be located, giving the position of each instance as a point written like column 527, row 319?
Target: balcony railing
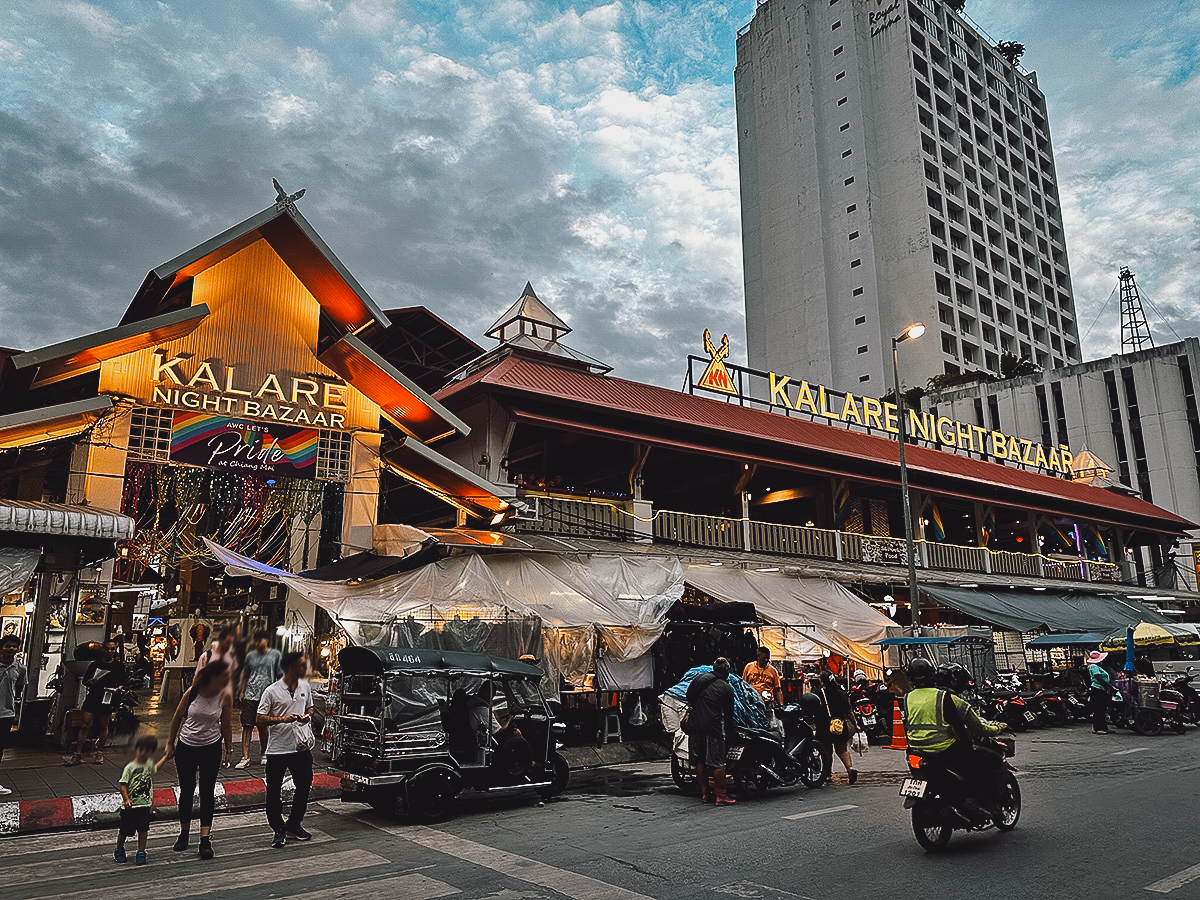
column 584, row 518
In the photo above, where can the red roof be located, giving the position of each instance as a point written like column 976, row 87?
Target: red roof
column 703, row 423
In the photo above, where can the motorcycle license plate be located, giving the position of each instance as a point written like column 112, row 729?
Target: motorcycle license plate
column 913, row 788
column 734, row 754
column 1030, row 717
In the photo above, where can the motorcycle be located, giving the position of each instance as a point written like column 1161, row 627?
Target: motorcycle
column 937, row 796
column 1008, row 707
column 1179, row 691
column 763, row 761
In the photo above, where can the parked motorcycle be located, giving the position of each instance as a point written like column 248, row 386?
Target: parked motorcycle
column 938, row 797
column 1178, row 690
column 1006, row 706
column 763, row 761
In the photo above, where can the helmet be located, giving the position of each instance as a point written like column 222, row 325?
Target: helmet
column 953, row 677
column 810, row 704
column 829, row 679
column 921, row 672
column 860, row 675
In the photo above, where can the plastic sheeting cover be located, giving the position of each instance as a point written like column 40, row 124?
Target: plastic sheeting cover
column 749, row 711
column 17, row 565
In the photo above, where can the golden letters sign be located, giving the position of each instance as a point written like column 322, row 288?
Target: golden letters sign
column 938, row 430
column 213, row 386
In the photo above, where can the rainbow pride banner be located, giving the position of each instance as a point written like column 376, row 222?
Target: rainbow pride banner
column 243, row 446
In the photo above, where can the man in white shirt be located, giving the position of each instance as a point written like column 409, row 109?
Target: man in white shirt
column 12, row 689
column 286, row 709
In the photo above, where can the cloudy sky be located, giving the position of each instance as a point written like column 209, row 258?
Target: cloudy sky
column 454, row 150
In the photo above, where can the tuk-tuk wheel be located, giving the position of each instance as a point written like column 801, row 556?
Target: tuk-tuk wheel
column 430, row 796
column 562, row 774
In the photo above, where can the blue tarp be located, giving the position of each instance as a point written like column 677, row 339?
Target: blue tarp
column 748, row 709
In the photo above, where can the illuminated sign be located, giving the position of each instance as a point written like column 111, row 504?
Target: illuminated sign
column 716, row 376
column 871, row 414
column 212, row 386
column 216, row 442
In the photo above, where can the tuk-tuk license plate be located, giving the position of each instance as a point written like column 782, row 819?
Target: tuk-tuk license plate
column 913, row 788
column 734, row 754
column 1030, row 717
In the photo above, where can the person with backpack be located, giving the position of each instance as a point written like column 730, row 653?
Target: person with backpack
column 202, row 721
column 711, row 727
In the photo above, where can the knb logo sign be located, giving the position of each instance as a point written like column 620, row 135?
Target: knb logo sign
column 716, row 376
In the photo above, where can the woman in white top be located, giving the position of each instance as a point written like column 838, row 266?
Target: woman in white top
column 202, row 720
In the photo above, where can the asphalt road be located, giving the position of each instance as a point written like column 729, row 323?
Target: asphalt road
column 1103, row 817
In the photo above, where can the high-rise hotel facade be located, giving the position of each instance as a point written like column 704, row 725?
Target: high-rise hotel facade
column 895, row 168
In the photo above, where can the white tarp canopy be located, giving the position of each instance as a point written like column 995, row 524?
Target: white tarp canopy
column 811, row 614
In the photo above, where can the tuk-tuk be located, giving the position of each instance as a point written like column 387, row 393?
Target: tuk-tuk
column 414, row 728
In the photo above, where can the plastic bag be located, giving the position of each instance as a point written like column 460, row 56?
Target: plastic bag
column 859, row 742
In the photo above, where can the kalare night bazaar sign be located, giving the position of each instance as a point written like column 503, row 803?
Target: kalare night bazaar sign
column 818, row 400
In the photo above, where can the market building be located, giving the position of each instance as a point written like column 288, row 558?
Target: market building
column 253, row 393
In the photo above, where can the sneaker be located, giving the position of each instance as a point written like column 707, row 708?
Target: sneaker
column 206, row 850
column 73, row 760
column 853, row 775
column 280, row 839
column 98, row 759
column 297, row 833
column 140, row 858
column 4, row 790
column 262, row 760
column 180, row 844
column 119, row 855
column 244, row 763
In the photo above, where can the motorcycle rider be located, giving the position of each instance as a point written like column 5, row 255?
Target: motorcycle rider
column 943, row 728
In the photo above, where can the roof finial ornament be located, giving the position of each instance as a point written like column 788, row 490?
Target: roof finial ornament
column 284, row 200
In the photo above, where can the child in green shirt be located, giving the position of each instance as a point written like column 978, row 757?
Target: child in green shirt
column 137, row 790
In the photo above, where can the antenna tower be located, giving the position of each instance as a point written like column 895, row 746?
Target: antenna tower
column 1135, row 332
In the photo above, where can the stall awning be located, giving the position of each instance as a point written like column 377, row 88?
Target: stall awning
column 1084, row 639
column 1044, row 610
column 926, row 641
column 63, row 520
column 36, row 426
column 446, row 479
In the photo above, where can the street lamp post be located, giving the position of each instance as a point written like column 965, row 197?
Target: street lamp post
column 912, row 332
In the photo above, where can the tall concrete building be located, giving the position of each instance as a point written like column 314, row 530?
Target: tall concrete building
column 895, row 168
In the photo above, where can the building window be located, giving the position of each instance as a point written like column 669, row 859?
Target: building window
column 853, row 236
column 1060, row 411
column 863, row 378
column 1189, row 397
column 839, row 76
column 845, row 127
column 849, row 181
column 846, row 153
column 862, row 320
column 1118, row 433
column 862, row 349
column 851, row 208
column 843, row 101
column 150, row 434
column 1135, row 431
column 994, row 412
column 1044, row 412
column 858, row 292
column 855, row 263
column 333, row 455
column 837, row 51
column 836, row 25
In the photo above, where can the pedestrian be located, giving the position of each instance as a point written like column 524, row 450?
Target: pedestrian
column 137, row 796
column 764, row 677
column 225, row 650
column 835, row 739
column 104, row 679
column 13, row 678
column 203, row 719
column 710, row 727
column 260, row 669
column 1099, row 691
column 286, row 708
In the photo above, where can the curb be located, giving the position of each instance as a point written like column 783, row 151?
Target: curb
column 103, row 810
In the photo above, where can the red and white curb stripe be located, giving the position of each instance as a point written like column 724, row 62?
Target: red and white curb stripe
column 26, row 816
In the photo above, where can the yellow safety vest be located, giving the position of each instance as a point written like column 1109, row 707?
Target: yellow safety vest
column 925, row 726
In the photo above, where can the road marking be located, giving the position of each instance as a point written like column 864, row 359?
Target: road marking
column 404, row 887
column 522, row 868
column 1133, row 750
column 134, row 887
column 821, row 812
column 1179, row 879
column 28, row 873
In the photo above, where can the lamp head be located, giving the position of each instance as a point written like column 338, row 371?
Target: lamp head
column 911, row 333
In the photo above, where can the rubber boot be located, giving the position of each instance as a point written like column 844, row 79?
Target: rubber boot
column 719, row 786
column 702, row 781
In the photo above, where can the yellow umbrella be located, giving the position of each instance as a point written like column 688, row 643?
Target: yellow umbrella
column 1145, row 634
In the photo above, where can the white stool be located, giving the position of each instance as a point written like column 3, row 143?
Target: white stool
column 612, row 726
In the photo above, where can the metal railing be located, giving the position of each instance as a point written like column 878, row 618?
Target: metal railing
column 605, row 519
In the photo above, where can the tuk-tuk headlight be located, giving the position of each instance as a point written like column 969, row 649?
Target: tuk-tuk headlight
column 558, row 728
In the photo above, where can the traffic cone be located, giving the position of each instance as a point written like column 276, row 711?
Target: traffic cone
column 899, row 738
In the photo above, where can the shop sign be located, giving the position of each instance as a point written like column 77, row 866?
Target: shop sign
column 213, row 386
column 869, row 413
column 236, row 445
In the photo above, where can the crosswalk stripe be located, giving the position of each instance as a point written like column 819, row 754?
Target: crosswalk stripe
column 403, row 887
column 159, row 853
column 569, row 884
column 821, row 812
column 147, row 881
column 22, row 845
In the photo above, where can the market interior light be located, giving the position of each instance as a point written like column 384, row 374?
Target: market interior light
column 498, row 518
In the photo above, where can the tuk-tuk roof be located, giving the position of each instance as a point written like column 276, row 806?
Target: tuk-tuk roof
column 404, row 660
